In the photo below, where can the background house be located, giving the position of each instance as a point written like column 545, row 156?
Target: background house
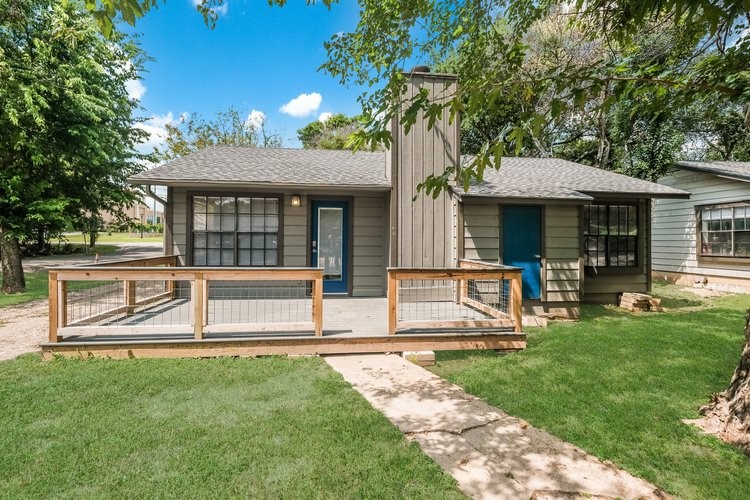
column 707, row 237
column 578, row 232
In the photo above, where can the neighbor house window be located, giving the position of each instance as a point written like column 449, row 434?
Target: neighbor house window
column 611, row 235
column 235, row 231
column 725, row 230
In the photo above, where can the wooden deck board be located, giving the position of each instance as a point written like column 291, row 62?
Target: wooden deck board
column 351, row 325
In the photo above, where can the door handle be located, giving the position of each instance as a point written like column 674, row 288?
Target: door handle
column 537, row 256
column 314, row 246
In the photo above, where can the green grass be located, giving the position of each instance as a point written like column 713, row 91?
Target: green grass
column 231, row 427
column 618, row 384
column 36, row 288
column 118, row 238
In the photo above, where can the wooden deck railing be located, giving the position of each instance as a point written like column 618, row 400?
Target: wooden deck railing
column 476, row 305
column 116, row 308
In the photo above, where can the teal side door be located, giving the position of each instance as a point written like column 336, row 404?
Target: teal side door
column 522, row 246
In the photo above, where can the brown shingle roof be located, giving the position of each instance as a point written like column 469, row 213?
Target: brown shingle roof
column 734, row 169
column 552, row 178
column 298, row 167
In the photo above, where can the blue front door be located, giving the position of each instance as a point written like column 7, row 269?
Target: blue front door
column 522, row 244
column 330, row 244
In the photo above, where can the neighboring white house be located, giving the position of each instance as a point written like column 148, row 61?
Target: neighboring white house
column 704, row 239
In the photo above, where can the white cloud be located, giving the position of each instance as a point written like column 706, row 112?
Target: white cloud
column 135, row 89
column 155, row 126
column 255, row 119
column 324, row 117
column 302, row 105
column 221, row 10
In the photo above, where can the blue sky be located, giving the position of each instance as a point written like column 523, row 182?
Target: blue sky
column 258, row 58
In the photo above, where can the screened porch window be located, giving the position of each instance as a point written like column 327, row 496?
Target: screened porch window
column 235, row 231
column 611, row 235
column 725, row 230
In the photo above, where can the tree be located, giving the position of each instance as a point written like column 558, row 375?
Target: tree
column 333, row 133
column 495, row 53
column 728, row 413
column 227, row 128
column 67, row 134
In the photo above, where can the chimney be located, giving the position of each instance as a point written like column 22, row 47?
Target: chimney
column 421, row 228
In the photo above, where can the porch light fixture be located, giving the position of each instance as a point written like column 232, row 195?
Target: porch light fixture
column 296, row 200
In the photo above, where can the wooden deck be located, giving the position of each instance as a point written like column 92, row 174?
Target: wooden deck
column 350, row 325
column 154, row 308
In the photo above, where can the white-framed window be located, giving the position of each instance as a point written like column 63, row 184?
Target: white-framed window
column 611, row 235
column 724, row 230
column 235, row 231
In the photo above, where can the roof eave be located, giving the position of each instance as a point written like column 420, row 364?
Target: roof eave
column 697, row 168
column 678, row 194
column 200, row 183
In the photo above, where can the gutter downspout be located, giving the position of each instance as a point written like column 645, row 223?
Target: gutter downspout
column 155, row 196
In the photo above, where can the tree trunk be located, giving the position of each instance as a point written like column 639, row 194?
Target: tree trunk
column 10, row 255
column 93, row 235
column 731, row 408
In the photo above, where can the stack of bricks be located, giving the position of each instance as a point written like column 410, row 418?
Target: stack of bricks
column 640, row 302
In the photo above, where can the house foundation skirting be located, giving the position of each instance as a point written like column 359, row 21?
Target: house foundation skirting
column 720, row 283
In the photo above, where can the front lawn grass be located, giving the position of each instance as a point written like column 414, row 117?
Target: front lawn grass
column 618, row 384
column 117, row 238
column 218, row 428
column 37, row 287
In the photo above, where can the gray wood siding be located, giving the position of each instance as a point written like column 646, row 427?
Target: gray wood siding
column 425, row 224
column 179, row 224
column 603, row 285
column 369, row 252
column 482, row 232
column 562, row 249
column 674, row 245
column 370, row 232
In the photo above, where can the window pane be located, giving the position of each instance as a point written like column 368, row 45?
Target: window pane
column 243, row 205
column 742, row 244
column 213, row 215
column 213, row 240
column 243, row 257
column 244, row 223
column 257, row 241
column 227, row 240
column 213, row 257
column 258, row 206
column 256, row 258
column 272, row 206
column 227, row 257
column 199, row 257
column 271, row 257
column 272, row 223
column 718, row 243
column 243, row 240
column 199, row 213
column 272, row 241
column 199, row 240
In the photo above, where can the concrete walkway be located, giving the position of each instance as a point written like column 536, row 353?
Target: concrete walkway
column 491, row 454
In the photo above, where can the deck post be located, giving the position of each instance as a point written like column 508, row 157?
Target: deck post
column 53, row 306
column 516, row 299
column 317, row 306
column 198, row 299
column 62, row 303
column 392, row 303
column 128, row 289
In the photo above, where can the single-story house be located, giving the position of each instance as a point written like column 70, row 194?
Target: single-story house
column 706, row 238
column 579, row 233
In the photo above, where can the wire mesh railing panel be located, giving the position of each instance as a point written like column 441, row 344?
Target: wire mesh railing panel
column 258, row 302
column 127, row 303
column 432, row 300
column 156, row 309
column 491, row 293
column 92, row 303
